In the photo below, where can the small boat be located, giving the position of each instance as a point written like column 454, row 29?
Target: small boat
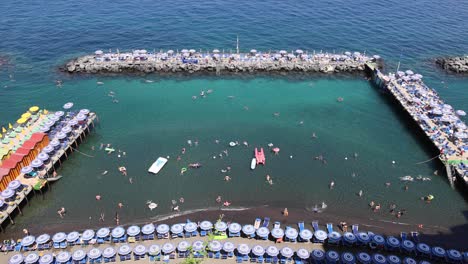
column 52, row 179
column 253, row 164
column 406, row 178
column 260, row 156
column 195, row 165
column 157, row 165
column 232, row 144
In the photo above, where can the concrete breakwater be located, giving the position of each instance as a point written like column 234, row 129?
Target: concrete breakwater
column 192, row 61
column 454, row 64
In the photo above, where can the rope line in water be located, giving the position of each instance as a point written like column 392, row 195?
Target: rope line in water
column 428, row 160
column 82, row 153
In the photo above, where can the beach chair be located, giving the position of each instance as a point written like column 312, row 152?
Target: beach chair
column 403, row 236
column 217, row 255
column 239, row 259
column 224, row 255
column 17, row 247
column 268, row 259
column 415, row 236
column 300, row 225
column 355, row 229
column 257, row 223
column 277, row 224
column 370, row 234
column 63, row 245
column 266, row 222
column 298, row 261
column 203, row 233
column 57, row 245
column 210, row 254
column 230, row 254
column 315, row 225
column 329, row 227
column 274, row 260
column 253, row 258
column 246, row 257
column 166, row 258
column 122, row 258
column 260, row 259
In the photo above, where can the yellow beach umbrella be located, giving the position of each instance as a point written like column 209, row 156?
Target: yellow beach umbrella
column 45, row 112
column 26, row 115
column 34, row 109
column 21, row 120
column 10, row 126
column 4, row 130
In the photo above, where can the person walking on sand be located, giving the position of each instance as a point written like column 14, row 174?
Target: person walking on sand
column 102, row 217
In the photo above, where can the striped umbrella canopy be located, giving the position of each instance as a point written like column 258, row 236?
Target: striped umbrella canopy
column 73, row 122
column 167, row 248
column 277, row 233
column 7, row 193
column 408, row 245
column 103, row 232
column 87, row 235
column 54, row 143
column 63, row 257
column 291, row 233
column 248, row 229
column 16, row 259
column 42, row 239
column 392, row 259
column 347, row 258
column 148, row 229
column 183, row 245
column 423, row 248
column 139, row 250
column 68, row 105
column 44, row 129
column 28, row 240
column 49, row 123
column 14, row 184
column 258, row 250
column 118, row 232
column 84, row 111
column 59, row 113
column 221, row 226
column 438, row 252
column 133, row 230
column 124, row 249
column 108, row 252
column 228, row 247
column 318, row 254
column 320, row 235
column 332, row 256
column 363, row 257
column 234, row 228
column 287, row 252
column 198, row 245
column 31, row 258
column 94, row 253
column 393, row 241
column 177, row 229
column 378, row 239
column 43, row 156
column 272, row 251
column 303, row 253
column 162, row 229
column 306, row 234
column 190, row 227
column 263, row 232
column 54, row 118
column 36, row 163
column 215, row 245
column 349, row 237
column 46, row 259
column 379, row 258
column 454, row 255
column 243, row 249
column 73, row 236
column 80, row 117
column 409, row 260
column 206, row 225
column 363, row 237
column 26, row 169
column 335, row 236
column 66, row 130
column 154, row 249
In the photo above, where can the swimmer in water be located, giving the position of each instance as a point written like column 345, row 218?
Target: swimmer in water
column 181, row 200
column 120, row 205
column 227, row 178
column 313, row 135
column 130, row 180
column 61, row 212
column 332, row 184
column 176, row 208
column 268, row 177
column 218, row 199
column 183, row 151
column 360, row 193
column 246, row 108
column 387, row 184
column 178, row 158
column 217, row 141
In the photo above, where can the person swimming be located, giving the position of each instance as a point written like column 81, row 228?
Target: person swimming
column 61, row 212
column 226, row 204
column 183, row 151
column 227, row 178
column 120, row 205
column 332, row 184
column 181, row 200
column 360, row 193
column 218, row 199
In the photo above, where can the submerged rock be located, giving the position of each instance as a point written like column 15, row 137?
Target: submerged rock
column 454, row 64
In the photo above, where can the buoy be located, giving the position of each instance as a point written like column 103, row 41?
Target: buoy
column 183, row 170
column 393, row 162
column 276, row 150
column 232, row 144
column 152, row 205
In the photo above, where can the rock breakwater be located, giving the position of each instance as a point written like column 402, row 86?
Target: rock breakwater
column 454, row 64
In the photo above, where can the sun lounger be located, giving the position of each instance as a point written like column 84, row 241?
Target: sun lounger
column 300, row 225
column 257, row 223
column 355, row 229
column 403, row 236
column 329, row 227
column 277, row 225
column 415, row 236
column 266, row 222
column 315, row 225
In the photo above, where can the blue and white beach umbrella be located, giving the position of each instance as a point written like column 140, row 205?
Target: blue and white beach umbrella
column 363, row 257
column 379, row 259
column 43, row 156
column 177, row 229
column 334, row 236
column 66, row 130
column 54, row 143
column 277, row 233
column 73, row 236
column 15, row 184
column 349, row 237
column 263, row 232
column 124, row 250
column 320, row 235
column 94, row 253
column 59, row 237
column 363, row 237
column 118, row 232
column 133, row 230
column 63, row 257
column 243, row 249
column 438, row 252
column 49, row 123
column 306, row 234
column 31, row 258
column 46, row 259
column 206, row 225
column 78, row 255
column 27, row 169
column 54, row 118
column 423, row 248
column 221, row 226
column 393, row 242
column 167, row 248
column 148, row 229
column 28, row 240
column 154, row 250
column 16, row 259
column 392, row 259
column 258, row 250
column 162, row 229
column 87, row 235
column 73, row 122
column 190, row 227
column 198, row 245
column 36, row 163
column 234, row 228
column 379, row 240
column 139, row 250
column 287, row 252
column 108, row 252
column 84, row 111
column 408, row 245
column 291, row 233
column 80, row 117
column 7, row 193
column 183, row 246
column 59, row 113
column 228, row 247
column 318, row 254
column 454, row 255
column 303, row 253
column 347, row 258
column 332, row 256
column 215, row 245
column 44, row 129
column 409, row 260
column 42, row 239
column 68, row 105
column 248, row 229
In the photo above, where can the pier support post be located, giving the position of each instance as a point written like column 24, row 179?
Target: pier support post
column 448, row 169
column 11, row 219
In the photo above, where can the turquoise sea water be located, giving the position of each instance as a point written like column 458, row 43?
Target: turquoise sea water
column 156, row 119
